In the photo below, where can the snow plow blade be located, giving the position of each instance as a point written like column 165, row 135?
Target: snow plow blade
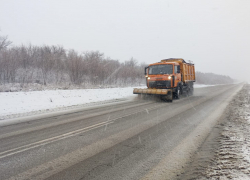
column 165, row 94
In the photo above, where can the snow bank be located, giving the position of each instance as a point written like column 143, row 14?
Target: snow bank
column 232, row 155
column 23, row 102
column 202, row 85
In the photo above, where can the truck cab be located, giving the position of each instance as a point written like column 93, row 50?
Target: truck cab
column 163, row 75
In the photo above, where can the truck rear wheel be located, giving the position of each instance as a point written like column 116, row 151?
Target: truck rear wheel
column 191, row 89
column 191, row 92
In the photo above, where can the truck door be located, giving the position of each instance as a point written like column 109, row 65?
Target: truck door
column 177, row 74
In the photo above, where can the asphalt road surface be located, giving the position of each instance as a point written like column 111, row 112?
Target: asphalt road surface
column 127, row 140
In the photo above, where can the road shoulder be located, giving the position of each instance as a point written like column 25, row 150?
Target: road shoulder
column 225, row 153
column 174, row 164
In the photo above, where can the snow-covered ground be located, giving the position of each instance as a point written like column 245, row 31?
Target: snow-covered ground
column 15, row 104
column 232, row 159
column 225, row 154
column 202, row 85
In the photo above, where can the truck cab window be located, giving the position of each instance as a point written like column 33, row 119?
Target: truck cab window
column 175, row 69
column 161, row 69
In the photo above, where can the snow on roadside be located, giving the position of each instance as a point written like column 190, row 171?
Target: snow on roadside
column 15, row 104
column 22, row 102
column 202, row 85
column 232, row 159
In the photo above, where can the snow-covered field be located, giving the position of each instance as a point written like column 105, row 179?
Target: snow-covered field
column 13, row 104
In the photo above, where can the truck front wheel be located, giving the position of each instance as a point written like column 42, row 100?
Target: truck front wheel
column 177, row 92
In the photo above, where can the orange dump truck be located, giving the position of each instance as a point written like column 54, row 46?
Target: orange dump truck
column 168, row 79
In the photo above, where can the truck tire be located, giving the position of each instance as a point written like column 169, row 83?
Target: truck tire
column 191, row 92
column 191, row 89
column 177, row 93
column 186, row 91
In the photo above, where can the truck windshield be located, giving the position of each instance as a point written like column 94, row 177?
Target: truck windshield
column 161, row 69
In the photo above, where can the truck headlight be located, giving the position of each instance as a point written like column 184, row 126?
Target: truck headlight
column 148, row 77
column 169, row 77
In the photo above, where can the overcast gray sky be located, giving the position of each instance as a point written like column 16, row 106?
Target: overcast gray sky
column 214, row 34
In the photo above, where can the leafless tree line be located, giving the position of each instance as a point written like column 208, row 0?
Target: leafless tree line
column 211, row 78
column 58, row 66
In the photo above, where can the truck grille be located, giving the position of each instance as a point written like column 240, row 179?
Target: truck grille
column 159, row 84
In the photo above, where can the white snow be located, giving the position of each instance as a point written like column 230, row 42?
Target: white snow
column 21, row 102
column 202, row 85
column 24, row 102
column 232, row 156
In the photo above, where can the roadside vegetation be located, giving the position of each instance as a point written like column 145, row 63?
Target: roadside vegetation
column 211, row 78
column 33, row 67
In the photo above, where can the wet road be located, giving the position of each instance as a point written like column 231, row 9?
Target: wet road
column 125, row 140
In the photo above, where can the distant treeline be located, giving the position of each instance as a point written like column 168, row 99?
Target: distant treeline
column 210, row 78
column 54, row 65
column 58, row 66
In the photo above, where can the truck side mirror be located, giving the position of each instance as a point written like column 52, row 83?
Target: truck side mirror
column 178, row 69
column 146, row 70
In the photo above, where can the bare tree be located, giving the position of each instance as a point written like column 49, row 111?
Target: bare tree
column 75, row 67
column 46, row 62
column 8, row 65
column 59, row 57
column 93, row 60
column 4, row 42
